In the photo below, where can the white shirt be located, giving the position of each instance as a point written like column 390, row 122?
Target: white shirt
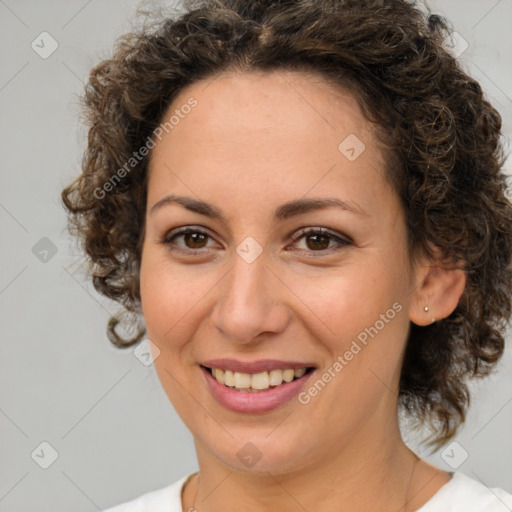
column 460, row 494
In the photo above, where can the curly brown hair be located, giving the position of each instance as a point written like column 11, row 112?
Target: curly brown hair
column 441, row 138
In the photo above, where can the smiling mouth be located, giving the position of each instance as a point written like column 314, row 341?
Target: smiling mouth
column 257, row 382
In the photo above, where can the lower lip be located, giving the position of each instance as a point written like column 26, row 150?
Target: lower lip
column 258, row 402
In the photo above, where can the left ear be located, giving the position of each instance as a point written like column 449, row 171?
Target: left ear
column 437, row 293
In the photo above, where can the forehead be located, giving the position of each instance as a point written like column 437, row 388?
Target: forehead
column 283, row 130
column 304, row 104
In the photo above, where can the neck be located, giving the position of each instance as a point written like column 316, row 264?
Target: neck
column 374, row 471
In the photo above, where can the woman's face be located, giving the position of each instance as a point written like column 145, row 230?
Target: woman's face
column 294, row 258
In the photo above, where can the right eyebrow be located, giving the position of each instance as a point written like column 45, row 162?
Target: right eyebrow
column 194, row 205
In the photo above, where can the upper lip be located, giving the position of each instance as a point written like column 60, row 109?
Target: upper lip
column 255, row 366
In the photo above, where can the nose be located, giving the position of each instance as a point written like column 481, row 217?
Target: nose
column 250, row 302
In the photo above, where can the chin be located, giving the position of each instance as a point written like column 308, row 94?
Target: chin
column 261, row 453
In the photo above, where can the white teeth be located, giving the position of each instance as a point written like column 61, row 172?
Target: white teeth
column 276, row 377
column 288, row 375
column 260, row 380
column 256, row 381
column 300, row 372
column 229, row 377
column 219, row 375
column 242, row 380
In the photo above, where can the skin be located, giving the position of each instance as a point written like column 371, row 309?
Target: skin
column 253, row 142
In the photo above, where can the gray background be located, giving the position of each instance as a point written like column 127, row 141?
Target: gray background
column 61, row 382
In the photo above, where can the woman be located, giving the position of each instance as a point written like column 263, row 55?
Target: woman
column 305, row 202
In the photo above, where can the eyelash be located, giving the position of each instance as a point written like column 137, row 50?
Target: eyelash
column 341, row 241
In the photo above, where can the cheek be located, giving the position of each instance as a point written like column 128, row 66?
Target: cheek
column 363, row 327
column 352, row 298
column 172, row 299
column 170, row 302
column 164, row 296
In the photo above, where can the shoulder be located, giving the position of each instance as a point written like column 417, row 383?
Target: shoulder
column 167, row 499
column 465, row 494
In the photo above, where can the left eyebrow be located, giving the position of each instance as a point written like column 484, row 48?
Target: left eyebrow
column 301, row 206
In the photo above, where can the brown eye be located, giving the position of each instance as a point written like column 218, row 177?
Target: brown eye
column 195, row 240
column 321, row 241
column 188, row 239
column 317, row 242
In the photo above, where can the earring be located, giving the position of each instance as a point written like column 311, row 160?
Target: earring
column 426, row 309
